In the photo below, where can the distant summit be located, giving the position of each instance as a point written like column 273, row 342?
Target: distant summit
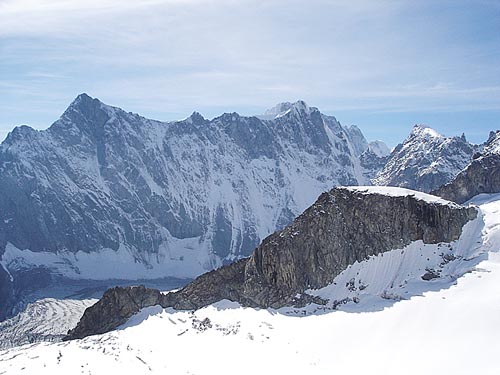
column 281, row 109
column 425, row 160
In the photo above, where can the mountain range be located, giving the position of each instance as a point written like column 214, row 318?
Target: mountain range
column 108, row 194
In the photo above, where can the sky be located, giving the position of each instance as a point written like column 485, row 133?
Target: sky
column 381, row 65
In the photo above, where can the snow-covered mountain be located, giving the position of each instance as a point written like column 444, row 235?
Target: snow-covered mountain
column 492, row 145
column 482, row 174
column 425, row 160
column 441, row 300
column 105, row 193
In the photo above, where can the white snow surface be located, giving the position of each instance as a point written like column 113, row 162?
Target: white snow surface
column 399, row 192
column 386, row 320
column 177, row 260
column 379, row 148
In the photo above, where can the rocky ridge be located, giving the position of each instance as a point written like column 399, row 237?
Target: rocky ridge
column 425, row 160
column 345, row 225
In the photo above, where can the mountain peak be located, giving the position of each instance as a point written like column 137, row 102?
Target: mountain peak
column 84, row 105
column 283, row 108
column 82, row 100
column 422, row 130
column 492, row 145
column 196, row 118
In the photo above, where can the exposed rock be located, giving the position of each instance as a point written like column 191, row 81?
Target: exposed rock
column 342, row 227
column 430, row 275
column 425, row 160
column 482, row 175
column 223, row 283
column 113, row 309
column 101, row 179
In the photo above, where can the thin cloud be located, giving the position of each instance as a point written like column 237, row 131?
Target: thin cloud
column 170, row 57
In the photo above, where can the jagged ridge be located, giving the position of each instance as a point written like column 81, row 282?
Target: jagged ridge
column 162, row 199
column 425, row 160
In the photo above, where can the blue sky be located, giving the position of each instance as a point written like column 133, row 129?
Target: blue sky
column 382, row 65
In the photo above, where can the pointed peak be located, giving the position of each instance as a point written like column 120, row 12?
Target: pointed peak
column 83, row 98
column 83, row 103
column 281, row 109
column 421, row 130
column 196, row 118
column 19, row 133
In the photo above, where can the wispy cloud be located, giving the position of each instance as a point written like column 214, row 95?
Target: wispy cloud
column 169, row 57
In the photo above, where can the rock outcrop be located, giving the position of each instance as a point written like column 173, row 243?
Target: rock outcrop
column 482, row 175
column 114, row 308
column 345, row 225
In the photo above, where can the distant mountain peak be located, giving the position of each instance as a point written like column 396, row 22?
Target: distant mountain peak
column 425, row 160
column 281, row 109
column 196, row 118
column 83, row 100
column 492, row 145
column 423, row 130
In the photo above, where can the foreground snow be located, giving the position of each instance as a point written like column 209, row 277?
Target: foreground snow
column 448, row 325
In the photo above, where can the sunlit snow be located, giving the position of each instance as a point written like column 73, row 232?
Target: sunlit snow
column 398, row 323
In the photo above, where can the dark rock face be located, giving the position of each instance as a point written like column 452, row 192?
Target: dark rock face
column 223, row 283
column 482, row 175
column 342, row 227
column 113, row 309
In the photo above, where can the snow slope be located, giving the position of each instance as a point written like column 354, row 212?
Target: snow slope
column 399, row 192
column 382, row 318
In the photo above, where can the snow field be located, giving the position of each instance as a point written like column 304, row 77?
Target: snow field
column 448, row 325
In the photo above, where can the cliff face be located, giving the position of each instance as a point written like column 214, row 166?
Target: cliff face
column 482, row 175
column 342, row 227
column 345, row 225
